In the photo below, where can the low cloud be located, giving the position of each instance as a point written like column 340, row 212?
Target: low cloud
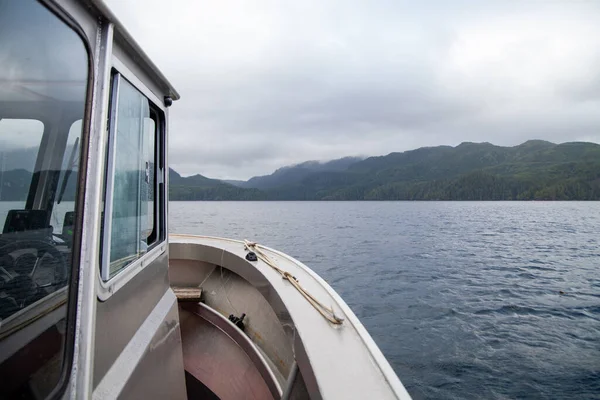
column 266, row 84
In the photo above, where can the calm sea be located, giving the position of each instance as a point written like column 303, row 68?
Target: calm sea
column 465, row 299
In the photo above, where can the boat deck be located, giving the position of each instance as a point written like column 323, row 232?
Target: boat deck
column 319, row 347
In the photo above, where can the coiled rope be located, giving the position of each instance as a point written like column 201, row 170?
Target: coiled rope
column 326, row 312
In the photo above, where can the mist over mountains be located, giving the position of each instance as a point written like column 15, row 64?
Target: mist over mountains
column 534, row 170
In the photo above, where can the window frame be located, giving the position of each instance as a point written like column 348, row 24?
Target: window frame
column 109, row 285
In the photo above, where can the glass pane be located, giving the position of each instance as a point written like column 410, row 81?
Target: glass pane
column 43, row 78
column 64, row 203
column 149, row 140
column 133, row 189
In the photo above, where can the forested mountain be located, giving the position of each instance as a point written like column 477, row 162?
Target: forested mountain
column 470, row 171
column 295, row 173
column 199, row 187
column 534, row 170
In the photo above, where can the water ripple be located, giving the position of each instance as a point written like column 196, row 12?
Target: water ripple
column 468, row 300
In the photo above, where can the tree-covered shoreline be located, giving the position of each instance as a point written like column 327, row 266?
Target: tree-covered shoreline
column 534, row 170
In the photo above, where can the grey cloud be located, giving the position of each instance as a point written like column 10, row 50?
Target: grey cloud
column 265, row 84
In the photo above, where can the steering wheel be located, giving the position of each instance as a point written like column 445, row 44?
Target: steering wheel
column 23, row 288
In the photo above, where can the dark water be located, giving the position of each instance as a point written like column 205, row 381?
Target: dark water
column 462, row 298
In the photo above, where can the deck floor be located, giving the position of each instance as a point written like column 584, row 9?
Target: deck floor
column 212, row 358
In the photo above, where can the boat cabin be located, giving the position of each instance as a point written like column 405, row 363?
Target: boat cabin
column 96, row 300
column 83, row 117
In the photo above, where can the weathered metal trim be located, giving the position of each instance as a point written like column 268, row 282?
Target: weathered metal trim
column 114, row 381
column 81, row 386
column 289, row 384
column 110, row 178
column 136, row 82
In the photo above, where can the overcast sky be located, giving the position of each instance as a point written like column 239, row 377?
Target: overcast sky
column 272, row 83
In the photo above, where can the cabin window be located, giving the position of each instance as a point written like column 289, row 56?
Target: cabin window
column 43, row 89
column 131, row 223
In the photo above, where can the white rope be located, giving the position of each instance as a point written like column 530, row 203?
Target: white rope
column 326, row 312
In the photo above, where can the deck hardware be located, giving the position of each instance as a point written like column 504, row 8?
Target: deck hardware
column 251, row 256
column 238, row 321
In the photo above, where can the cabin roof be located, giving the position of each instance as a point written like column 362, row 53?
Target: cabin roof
column 123, row 36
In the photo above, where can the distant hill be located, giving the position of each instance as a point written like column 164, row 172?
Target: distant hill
column 295, row 173
column 535, row 169
column 199, row 187
column 234, row 182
